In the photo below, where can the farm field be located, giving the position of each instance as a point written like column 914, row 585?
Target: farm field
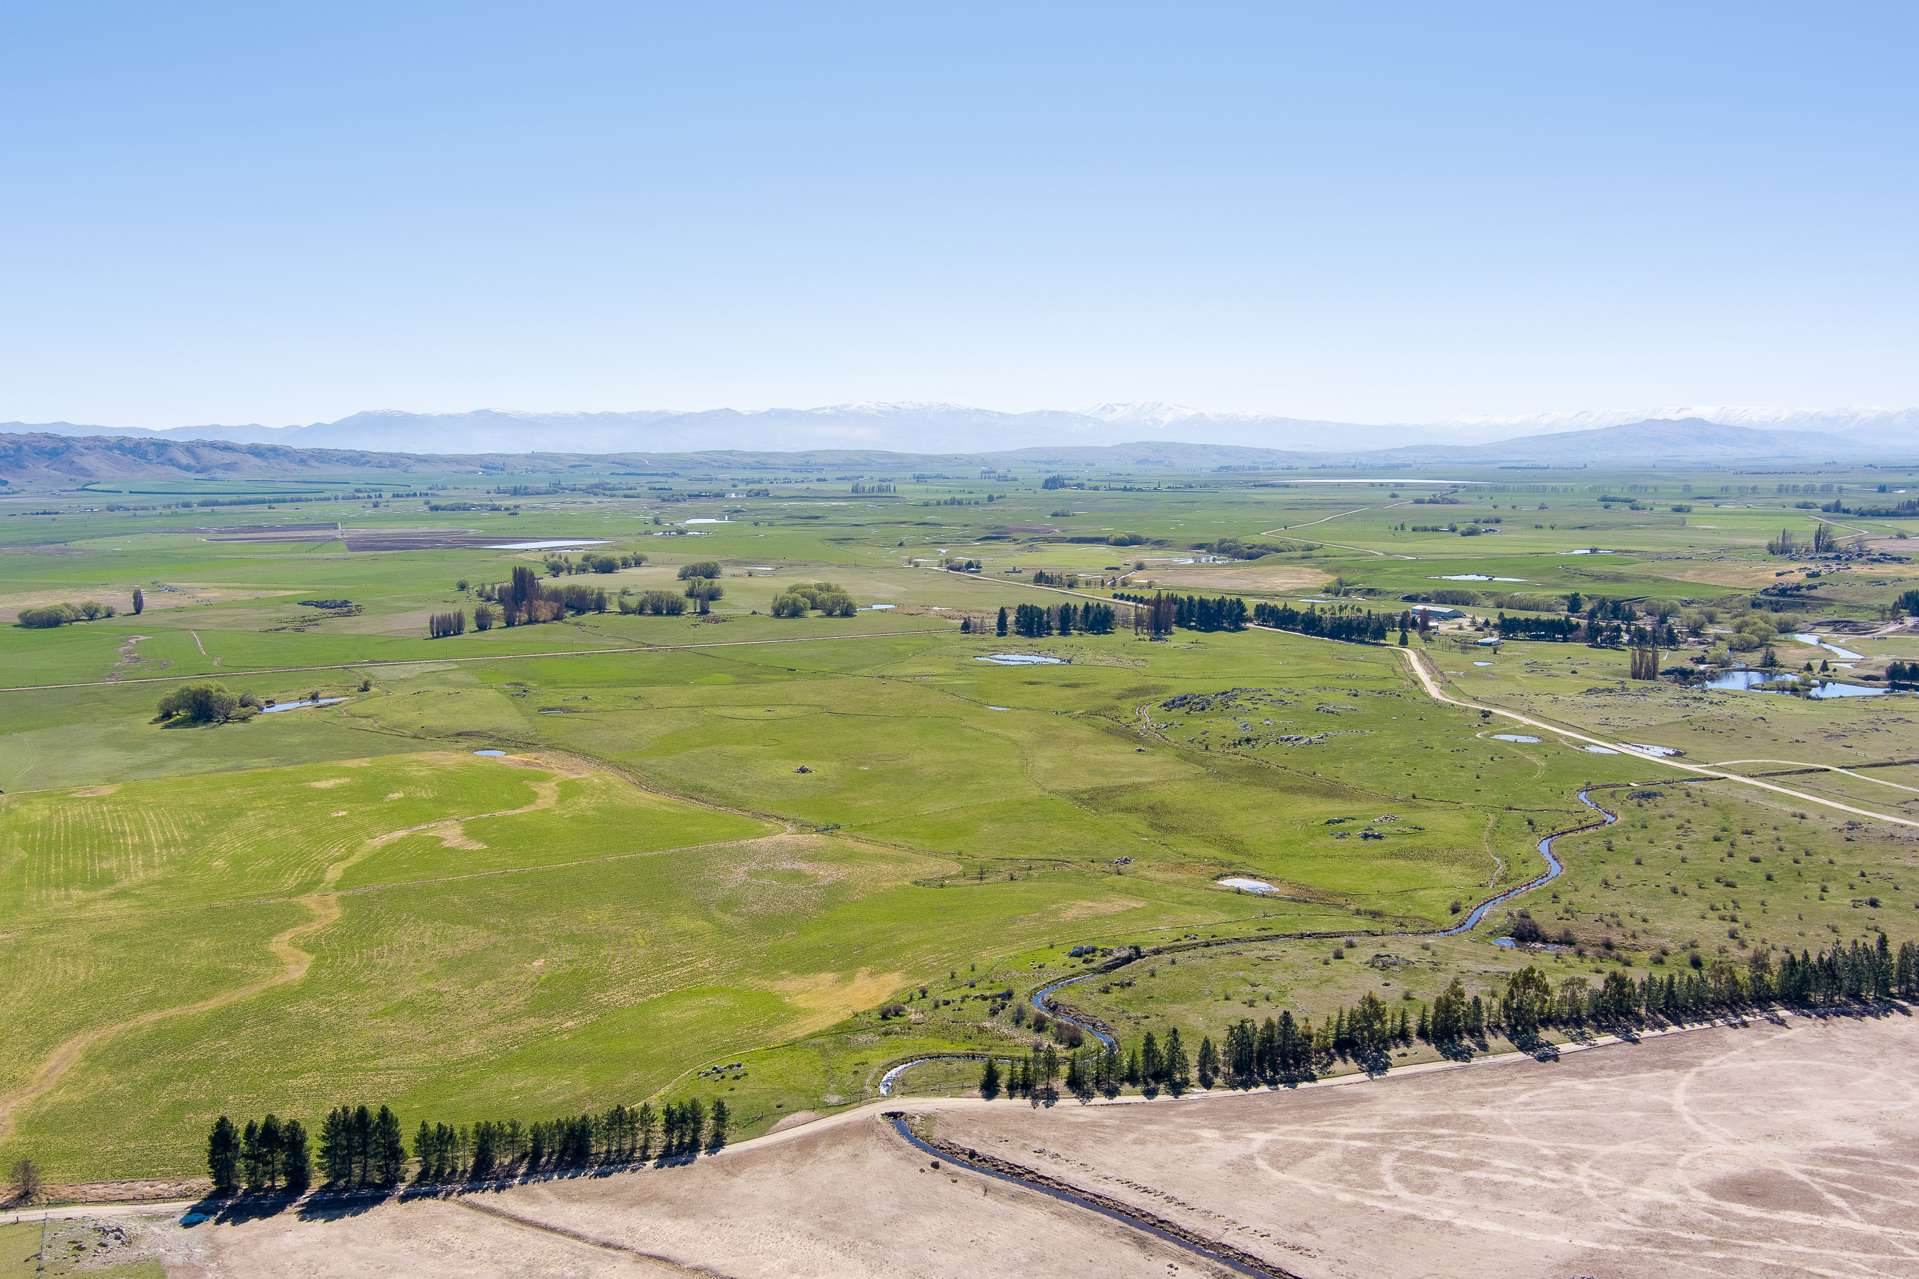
column 737, row 855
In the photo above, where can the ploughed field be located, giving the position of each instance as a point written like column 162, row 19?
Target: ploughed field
column 766, row 858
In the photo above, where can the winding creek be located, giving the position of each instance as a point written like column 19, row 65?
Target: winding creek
column 1042, row 999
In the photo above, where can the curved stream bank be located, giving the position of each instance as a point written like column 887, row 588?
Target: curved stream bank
column 1042, row 998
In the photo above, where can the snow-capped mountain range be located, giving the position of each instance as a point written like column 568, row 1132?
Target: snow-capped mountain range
column 917, row 427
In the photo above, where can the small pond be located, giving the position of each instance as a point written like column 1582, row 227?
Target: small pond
column 1021, row 659
column 1245, row 885
column 1526, row 738
column 1783, row 682
column 1806, row 638
column 294, row 706
column 490, row 753
column 549, row 544
column 1475, row 577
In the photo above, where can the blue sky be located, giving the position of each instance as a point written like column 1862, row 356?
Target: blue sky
column 286, row 213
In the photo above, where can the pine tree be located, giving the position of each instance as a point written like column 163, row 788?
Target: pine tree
column 423, row 1146
column 989, row 1080
column 360, row 1141
column 1179, row 1070
column 1208, row 1062
column 252, row 1165
column 223, row 1156
column 999, row 628
column 716, row 1126
column 388, row 1151
column 296, row 1160
column 647, row 1122
column 270, row 1152
column 695, row 1114
column 336, row 1154
column 1152, row 1071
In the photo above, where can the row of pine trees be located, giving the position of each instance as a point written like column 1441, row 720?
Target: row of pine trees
column 363, row 1149
column 1284, row 1048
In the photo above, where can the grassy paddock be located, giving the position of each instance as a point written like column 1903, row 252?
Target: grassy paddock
column 817, row 846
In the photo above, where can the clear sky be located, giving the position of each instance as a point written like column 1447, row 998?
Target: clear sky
column 285, row 213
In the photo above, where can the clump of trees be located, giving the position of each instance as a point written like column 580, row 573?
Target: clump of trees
column 1824, row 542
column 1234, row 548
column 267, row 1155
column 709, row 569
column 52, row 615
column 1034, row 621
column 1158, row 614
column 658, row 603
column 824, row 597
column 1644, row 660
column 1365, row 627
column 204, row 704
column 592, row 562
column 444, row 625
column 525, row 600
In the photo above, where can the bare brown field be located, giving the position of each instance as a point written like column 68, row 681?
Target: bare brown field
column 157, row 598
column 1254, row 577
column 1771, row 1149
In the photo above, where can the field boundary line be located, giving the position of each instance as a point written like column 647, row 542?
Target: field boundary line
column 1806, row 766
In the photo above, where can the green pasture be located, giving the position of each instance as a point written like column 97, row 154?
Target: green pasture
column 740, row 839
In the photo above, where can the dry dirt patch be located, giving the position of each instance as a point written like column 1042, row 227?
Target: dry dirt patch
column 156, row 598
column 1254, row 578
column 1639, row 1160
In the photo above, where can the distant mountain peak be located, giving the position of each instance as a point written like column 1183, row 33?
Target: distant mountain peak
column 1144, row 412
